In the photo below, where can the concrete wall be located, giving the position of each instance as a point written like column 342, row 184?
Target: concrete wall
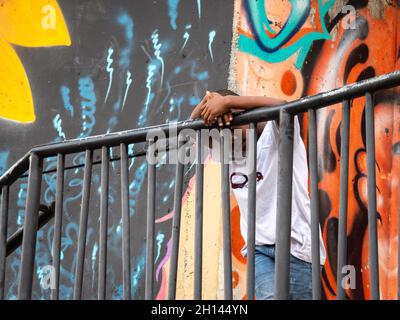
column 110, row 65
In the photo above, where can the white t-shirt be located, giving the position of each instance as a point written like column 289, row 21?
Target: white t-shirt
column 267, row 165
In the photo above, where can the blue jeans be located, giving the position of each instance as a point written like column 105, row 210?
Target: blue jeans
column 300, row 275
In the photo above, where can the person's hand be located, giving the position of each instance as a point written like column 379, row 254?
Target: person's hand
column 215, row 108
column 225, row 119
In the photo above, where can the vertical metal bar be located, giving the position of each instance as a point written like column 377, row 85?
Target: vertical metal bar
column 371, row 185
column 198, row 249
column 313, row 159
column 3, row 237
column 226, row 214
column 30, row 227
column 344, row 177
column 84, row 214
column 284, row 205
column 102, row 276
column 126, row 251
column 251, row 209
column 58, row 224
column 176, row 223
column 151, row 206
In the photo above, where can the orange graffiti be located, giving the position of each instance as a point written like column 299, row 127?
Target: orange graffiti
column 369, row 53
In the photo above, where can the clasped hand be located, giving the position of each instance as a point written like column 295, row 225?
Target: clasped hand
column 215, row 108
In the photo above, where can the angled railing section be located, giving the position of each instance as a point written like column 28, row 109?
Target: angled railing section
column 32, row 163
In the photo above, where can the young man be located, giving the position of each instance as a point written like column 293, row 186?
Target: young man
column 219, row 107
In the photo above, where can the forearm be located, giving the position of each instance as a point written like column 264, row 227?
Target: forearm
column 250, row 102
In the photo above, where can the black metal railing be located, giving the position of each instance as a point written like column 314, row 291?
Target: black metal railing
column 33, row 163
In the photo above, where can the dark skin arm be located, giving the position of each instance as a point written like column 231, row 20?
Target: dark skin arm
column 215, row 107
column 222, row 119
column 219, row 105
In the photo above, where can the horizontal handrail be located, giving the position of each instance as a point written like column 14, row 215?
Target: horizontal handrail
column 314, row 102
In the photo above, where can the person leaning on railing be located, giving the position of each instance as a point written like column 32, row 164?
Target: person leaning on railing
column 220, row 107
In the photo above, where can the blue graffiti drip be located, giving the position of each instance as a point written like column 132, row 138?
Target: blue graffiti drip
column 111, row 156
column 199, row 8
column 112, row 122
column 186, row 37
column 194, row 101
column 50, row 179
column 23, row 189
column 201, row 76
column 135, row 186
column 130, row 153
column 94, row 256
column 160, row 238
column 110, row 71
column 211, row 37
column 3, row 161
column 143, row 115
column 175, row 104
column 128, row 84
column 117, row 105
column 136, row 275
column 73, row 183
column 88, row 105
column 125, row 20
column 65, row 91
column 57, row 123
column 173, row 12
column 127, row 23
column 157, row 47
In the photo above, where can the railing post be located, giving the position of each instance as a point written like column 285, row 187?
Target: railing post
column 371, row 185
column 344, row 177
column 251, row 208
column 198, row 259
column 58, row 224
column 126, row 251
column 284, row 205
column 226, row 214
column 3, row 237
column 30, row 228
column 313, row 159
column 102, row 276
column 151, row 209
column 83, row 222
column 176, row 222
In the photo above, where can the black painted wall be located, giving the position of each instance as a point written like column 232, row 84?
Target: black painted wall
column 155, row 59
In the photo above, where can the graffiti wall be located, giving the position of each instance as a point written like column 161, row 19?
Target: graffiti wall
column 77, row 68
column 289, row 49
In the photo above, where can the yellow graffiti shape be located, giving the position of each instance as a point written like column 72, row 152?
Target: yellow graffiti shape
column 15, row 93
column 26, row 23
